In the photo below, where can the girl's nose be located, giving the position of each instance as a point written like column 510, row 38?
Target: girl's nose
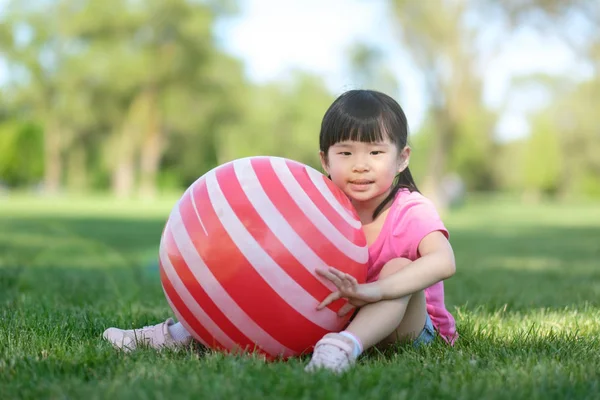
column 360, row 166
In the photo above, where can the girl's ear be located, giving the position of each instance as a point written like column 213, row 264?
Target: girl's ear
column 403, row 159
column 324, row 163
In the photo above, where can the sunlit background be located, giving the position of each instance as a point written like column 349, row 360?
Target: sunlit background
column 139, row 98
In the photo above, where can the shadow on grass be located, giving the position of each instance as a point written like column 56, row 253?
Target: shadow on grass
column 524, row 268
column 25, row 240
column 79, row 261
column 87, row 259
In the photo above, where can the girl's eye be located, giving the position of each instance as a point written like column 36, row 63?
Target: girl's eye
column 376, row 152
column 344, row 153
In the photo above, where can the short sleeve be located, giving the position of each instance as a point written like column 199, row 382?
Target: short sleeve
column 414, row 220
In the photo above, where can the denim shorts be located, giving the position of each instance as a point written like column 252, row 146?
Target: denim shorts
column 427, row 334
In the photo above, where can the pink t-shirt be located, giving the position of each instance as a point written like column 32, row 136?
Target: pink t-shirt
column 411, row 217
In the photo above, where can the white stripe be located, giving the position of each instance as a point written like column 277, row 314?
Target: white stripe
column 183, row 322
column 191, row 303
column 196, row 209
column 219, row 295
column 357, row 253
column 317, row 178
column 286, row 287
column 276, row 222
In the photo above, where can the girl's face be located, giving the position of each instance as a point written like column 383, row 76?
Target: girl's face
column 365, row 171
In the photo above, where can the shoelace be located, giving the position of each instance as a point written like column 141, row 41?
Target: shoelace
column 144, row 334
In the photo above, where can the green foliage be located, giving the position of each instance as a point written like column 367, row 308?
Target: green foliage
column 421, row 143
column 442, row 43
column 21, row 153
column 508, row 166
column 561, row 154
column 473, row 150
column 542, row 163
column 130, row 96
column 137, row 94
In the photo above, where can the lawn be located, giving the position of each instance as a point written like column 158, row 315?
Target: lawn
column 526, row 297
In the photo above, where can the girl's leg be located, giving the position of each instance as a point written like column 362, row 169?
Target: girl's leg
column 382, row 322
column 389, row 321
column 413, row 322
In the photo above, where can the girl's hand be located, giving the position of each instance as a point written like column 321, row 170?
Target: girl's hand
column 348, row 287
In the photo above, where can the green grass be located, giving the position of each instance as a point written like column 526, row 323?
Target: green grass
column 526, row 297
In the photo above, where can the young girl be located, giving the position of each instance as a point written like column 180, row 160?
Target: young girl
column 364, row 151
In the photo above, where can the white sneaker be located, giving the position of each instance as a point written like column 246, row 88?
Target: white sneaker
column 333, row 352
column 154, row 336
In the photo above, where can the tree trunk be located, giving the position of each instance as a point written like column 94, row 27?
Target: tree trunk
column 77, row 168
column 123, row 177
column 152, row 147
column 52, row 158
column 121, row 158
column 437, row 160
column 124, row 149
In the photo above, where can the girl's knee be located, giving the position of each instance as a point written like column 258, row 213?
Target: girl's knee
column 393, row 266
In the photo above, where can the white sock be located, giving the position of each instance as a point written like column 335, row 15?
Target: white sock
column 357, row 349
column 179, row 333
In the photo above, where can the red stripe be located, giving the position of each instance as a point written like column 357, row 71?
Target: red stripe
column 261, row 302
column 192, row 285
column 356, row 236
column 193, row 324
column 297, row 219
column 270, row 242
column 185, row 312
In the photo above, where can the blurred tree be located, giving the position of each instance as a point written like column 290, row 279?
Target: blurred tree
column 281, row 119
column 102, row 77
column 134, row 94
column 196, row 122
column 368, row 69
column 21, row 147
column 572, row 122
column 442, row 46
column 562, row 152
column 542, row 159
column 153, row 54
column 35, row 41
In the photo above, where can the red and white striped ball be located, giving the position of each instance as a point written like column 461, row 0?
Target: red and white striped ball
column 239, row 251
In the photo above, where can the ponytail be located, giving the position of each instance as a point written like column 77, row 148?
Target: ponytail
column 403, row 180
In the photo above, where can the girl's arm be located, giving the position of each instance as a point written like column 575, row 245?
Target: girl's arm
column 435, row 264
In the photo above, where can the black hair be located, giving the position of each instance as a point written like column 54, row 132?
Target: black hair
column 366, row 116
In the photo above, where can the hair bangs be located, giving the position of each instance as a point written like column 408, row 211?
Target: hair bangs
column 359, row 130
column 359, row 116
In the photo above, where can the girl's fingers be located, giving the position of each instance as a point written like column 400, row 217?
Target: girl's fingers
column 344, row 276
column 322, row 272
column 337, row 272
column 329, row 299
column 350, row 283
column 329, row 276
column 352, row 279
column 347, row 285
column 346, row 308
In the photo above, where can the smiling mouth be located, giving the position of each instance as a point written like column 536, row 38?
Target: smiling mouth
column 361, row 182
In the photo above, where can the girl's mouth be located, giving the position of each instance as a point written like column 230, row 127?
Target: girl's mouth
column 360, row 185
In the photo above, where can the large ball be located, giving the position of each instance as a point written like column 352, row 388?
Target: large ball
column 239, row 251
